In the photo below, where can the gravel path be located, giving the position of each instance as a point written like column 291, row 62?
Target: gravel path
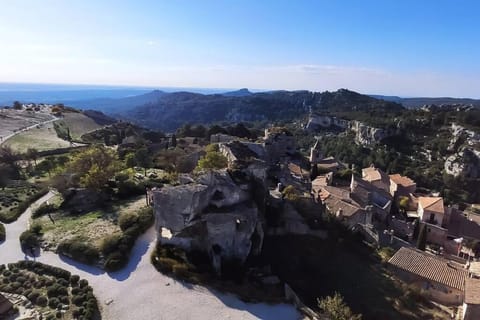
column 139, row 291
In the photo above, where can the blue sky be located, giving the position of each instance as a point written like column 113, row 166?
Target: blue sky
column 407, row 48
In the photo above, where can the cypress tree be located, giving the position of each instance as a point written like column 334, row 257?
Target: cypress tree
column 422, row 238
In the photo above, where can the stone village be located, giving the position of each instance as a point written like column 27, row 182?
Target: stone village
column 226, row 213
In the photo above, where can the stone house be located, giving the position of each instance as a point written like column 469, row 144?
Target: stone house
column 464, row 229
column 376, row 177
column 330, row 164
column 442, row 281
column 366, row 193
column 339, row 203
column 401, row 185
column 279, row 143
column 431, row 210
column 471, row 303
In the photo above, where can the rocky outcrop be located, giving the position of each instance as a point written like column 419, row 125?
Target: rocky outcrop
column 214, row 214
column 465, row 159
column 466, row 163
column 367, row 135
column 318, row 122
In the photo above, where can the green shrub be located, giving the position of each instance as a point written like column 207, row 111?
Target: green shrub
column 74, row 279
column 53, row 303
column 29, row 239
column 44, row 209
column 79, row 299
column 127, row 189
column 42, row 301
column 56, row 290
column 83, row 283
column 79, row 250
column 64, row 300
column 63, row 282
column 115, row 261
column 36, row 228
column 180, row 270
column 110, row 244
column 2, row 232
column 127, row 220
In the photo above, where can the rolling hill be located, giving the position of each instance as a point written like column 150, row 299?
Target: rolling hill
column 168, row 111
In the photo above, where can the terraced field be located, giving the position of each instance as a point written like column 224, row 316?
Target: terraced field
column 42, row 138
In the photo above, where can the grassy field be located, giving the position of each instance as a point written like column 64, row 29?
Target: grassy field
column 316, row 268
column 78, row 124
column 92, row 227
column 13, row 120
column 44, row 138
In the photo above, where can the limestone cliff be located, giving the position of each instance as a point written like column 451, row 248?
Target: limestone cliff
column 465, row 159
column 214, row 214
column 367, row 135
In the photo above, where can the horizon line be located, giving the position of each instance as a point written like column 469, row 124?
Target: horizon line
column 219, row 89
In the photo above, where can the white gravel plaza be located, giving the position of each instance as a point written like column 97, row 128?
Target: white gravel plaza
column 139, row 291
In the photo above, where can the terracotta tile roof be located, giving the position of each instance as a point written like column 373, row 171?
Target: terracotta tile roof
column 336, row 192
column 347, row 209
column 434, row 204
column 430, row 267
column 296, row 170
column 402, row 180
column 373, row 174
column 329, row 163
column 472, row 291
column 319, row 182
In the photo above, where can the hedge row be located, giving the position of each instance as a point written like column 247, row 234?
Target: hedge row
column 2, row 232
column 116, row 248
column 77, row 249
column 22, row 206
column 40, row 268
column 44, row 209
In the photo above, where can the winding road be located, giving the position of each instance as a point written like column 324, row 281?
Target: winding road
column 139, row 291
column 5, row 138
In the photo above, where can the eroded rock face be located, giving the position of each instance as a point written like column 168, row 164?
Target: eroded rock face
column 466, row 163
column 317, row 122
column 367, row 135
column 213, row 214
column 465, row 160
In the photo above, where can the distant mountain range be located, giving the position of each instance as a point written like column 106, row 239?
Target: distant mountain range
column 168, row 111
column 161, row 109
